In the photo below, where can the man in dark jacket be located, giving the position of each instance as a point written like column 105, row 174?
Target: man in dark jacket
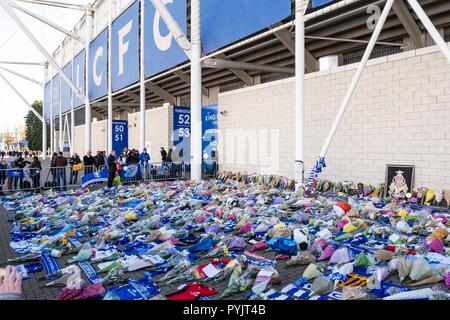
column 99, row 161
column 88, row 161
column 60, row 164
column 74, row 160
column 163, row 154
column 112, row 168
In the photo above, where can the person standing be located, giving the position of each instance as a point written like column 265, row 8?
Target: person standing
column 163, row 154
column 112, row 168
column 52, row 168
column 35, row 173
column 144, row 157
column 75, row 164
column 88, row 161
column 60, row 164
column 21, row 164
column 99, row 161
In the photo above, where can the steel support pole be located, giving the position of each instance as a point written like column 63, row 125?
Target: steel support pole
column 44, row 123
column 430, row 28
column 8, row 9
column 196, row 93
column 72, row 112
column 320, row 164
column 142, row 82
column 52, row 145
column 110, row 103
column 87, row 103
column 61, row 133
column 357, row 76
column 299, row 168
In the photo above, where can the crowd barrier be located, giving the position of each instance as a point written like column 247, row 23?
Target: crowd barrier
column 62, row 178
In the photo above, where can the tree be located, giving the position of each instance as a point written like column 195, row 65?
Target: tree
column 33, row 128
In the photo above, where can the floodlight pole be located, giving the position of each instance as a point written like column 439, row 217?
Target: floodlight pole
column 142, row 82
column 196, row 93
column 320, row 164
column 110, row 103
column 87, row 104
column 299, row 169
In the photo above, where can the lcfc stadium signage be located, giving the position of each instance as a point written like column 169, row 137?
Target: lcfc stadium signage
column 66, row 92
column 209, row 135
column 125, row 48
column 98, row 66
column 222, row 23
column 47, row 100
column 161, row 49
column 56, row 84
column 79, row 70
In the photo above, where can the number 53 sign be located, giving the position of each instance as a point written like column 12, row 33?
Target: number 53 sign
column 120, row 135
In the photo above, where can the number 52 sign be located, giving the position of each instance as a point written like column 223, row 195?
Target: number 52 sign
column 120, row 135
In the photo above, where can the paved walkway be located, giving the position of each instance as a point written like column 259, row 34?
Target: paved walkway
column 33, row 289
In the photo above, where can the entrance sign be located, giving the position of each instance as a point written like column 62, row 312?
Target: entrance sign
column 209, row 135
column 120, row 135
column 98, row 66
column 161, row 49
column 125, row 48
column 181, row 134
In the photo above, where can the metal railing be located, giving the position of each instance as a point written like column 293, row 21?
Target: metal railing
column 62, row 178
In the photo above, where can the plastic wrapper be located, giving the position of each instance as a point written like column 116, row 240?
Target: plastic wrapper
column 321, row 286
column 302, row 258
column 311, row 272
column 420, row 270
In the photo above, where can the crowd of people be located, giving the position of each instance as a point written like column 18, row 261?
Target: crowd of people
column 23, row 170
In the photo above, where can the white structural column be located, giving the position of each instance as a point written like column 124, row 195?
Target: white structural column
column 44, row 123
column 52, row 145
column 430, row 28
column 110, row 103
column 72, row 113
column 196, row 93
column 61, row 133
column 142, row 83
column 357, row 76
column 87, row 103
column 299, row 91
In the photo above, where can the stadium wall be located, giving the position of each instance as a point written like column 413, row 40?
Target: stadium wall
column 399, row 114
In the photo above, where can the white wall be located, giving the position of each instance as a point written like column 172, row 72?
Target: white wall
column 400, row 114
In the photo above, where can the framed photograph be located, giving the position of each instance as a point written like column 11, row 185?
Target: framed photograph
column 399, row 179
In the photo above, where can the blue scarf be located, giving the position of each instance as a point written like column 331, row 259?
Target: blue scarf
column 50, row 264
column 90, row 272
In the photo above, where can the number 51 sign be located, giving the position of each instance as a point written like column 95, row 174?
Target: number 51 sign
column 120, row 135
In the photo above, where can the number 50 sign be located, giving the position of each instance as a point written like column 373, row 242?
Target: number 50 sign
column 120, row 135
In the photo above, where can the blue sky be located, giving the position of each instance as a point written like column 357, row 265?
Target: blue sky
column 15, row 46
